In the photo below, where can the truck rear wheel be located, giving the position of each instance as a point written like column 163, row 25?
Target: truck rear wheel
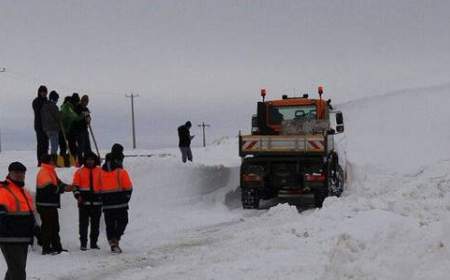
column 250, row 198
column 336, row 182
column 319, row 197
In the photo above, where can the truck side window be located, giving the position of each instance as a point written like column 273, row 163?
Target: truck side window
column 276, row 116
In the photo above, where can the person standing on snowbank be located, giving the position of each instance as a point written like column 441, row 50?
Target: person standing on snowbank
column 51, row 122
column 41, row 136
column 80, row 128
column 184, row 143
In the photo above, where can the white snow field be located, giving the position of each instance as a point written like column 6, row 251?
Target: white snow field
column 392, row 222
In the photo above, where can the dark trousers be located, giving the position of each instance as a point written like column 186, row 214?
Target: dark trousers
column 186, row 154
column 16, row 259
column 72, row 141
column 42, row 144
column 62, row 144
column 83, row 143
column 86, row 214
column 50, row 228
column 116, row 221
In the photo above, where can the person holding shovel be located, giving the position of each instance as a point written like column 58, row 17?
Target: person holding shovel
column 80, row 128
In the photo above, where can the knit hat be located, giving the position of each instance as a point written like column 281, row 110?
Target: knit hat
column 17, row 166
column 117, row 149
column 53, row 96
column 42, row 88
column 75, row 98
column 93, row 156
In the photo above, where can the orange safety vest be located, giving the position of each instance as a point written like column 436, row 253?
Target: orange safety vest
column 16, row 200
column 82, row 180
column 46, row 176
column 116, row 189
column 48, row 187
column 17, row 204
column 115, row 181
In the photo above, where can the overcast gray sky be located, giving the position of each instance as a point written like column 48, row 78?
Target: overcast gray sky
column 206, row 60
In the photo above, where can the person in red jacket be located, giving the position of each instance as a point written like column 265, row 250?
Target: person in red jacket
column 86, row 182
column 48, row 199
column 116, row 189
column 17, row 222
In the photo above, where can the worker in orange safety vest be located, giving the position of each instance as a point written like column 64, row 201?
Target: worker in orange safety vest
column 87, row 191
column 48, row 199
column 17, row 222
column 116, row 190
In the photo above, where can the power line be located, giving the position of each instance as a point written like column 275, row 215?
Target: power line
column 132, row 96
column 203, row 126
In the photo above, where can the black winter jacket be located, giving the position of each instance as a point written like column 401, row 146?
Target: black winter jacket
column 82, row 124
column 50, row 117
column 50, row 195
column 38, row 102
column 184, row 136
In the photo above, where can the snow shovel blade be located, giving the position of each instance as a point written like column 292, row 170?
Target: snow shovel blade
column 67, row 160
column 60, row 161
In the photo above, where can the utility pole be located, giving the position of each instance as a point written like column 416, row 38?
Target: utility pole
column 203, row 126
column 132, row 96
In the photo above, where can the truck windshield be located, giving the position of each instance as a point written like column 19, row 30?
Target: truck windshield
column 279, row 114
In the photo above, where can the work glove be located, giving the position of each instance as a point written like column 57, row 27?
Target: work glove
column 68, row 188
column 80, row 201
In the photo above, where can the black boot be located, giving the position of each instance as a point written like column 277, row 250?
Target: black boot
column 83, row 246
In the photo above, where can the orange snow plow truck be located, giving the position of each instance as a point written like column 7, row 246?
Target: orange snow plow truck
column 290, row 152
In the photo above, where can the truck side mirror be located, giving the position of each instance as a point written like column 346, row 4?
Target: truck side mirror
column 339, row 122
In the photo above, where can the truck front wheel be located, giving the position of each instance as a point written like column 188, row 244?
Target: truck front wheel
column 250, row 198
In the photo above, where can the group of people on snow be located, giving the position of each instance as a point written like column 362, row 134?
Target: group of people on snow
column 65, row 128
column 96, row 188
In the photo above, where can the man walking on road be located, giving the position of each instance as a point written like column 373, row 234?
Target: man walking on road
column 87, row 191
column 185, row 141
column 48, row 199
column 17, row 223
column 116, row 189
